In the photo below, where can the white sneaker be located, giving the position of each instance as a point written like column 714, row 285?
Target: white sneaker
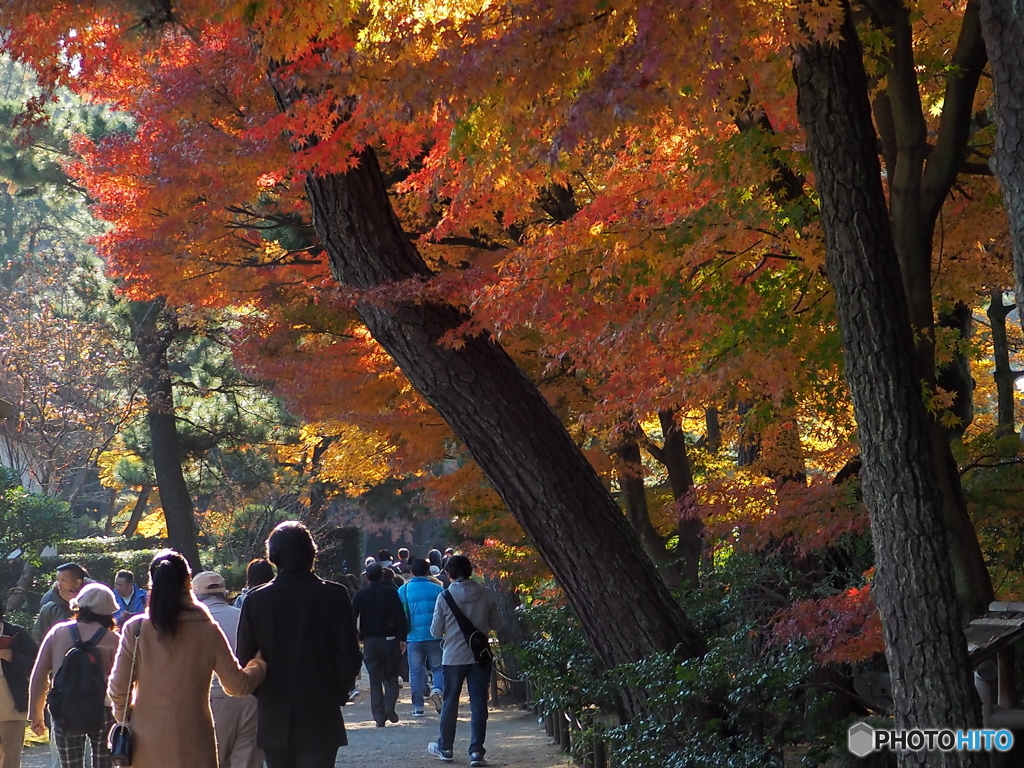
column 416, row 713
column 434, row 749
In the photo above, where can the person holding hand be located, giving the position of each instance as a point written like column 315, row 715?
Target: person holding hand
column 177, row 647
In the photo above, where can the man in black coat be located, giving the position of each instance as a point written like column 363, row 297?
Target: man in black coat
column 383, row 626
column 305, row 630
column 17, row 656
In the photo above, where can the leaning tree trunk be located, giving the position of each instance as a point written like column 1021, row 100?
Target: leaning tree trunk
column 511, row 431
column 137, row 510
column 1002, row 24
column 914, row 586
column 152, row 342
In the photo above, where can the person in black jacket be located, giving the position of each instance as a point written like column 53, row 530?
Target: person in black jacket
column 383, row 626
column 305, row 630
column 17, row 656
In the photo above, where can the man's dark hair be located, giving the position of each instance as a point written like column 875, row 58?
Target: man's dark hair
column 291, row 548
column 434, row 557
column 126, row 575
column 259, row 571
column 459, row 567
column 419, row 567
column 403, row 554
column 78, row 571
column 384, row 555
column 374, row 571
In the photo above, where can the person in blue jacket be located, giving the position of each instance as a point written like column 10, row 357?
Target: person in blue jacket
column 131, row 598
column 418, row 597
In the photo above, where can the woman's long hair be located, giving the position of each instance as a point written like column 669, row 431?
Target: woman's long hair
column 169, row 579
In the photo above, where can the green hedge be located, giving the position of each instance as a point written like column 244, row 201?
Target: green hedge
column 101, row 557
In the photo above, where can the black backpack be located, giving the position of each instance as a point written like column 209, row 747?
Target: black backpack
column 78, row 695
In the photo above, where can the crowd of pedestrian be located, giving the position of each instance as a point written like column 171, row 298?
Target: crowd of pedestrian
column 202, row 683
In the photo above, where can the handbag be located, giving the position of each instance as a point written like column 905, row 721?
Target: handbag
column 475, row 639
column 120, row 738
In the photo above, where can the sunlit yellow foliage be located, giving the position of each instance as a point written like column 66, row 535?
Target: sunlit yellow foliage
column 342, row 454
column 153, row 525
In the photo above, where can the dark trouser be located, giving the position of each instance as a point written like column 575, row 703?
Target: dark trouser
column 71, row 747
column 300, row 758
column 477, row 681
column 383, row 660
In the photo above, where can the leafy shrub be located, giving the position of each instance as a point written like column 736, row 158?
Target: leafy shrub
column 29, row 521
column 744, row 703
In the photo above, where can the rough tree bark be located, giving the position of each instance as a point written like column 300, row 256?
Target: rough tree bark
column 1002, row 24
column 914, row 585
column 508, row 427
column 920, row 177
column 152, row 338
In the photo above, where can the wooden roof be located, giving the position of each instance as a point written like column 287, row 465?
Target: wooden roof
column 1000, row 628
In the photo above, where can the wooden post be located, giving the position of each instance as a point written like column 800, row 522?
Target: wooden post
column 564, row 738
column 549, row 725
column 600, row 753
column 1007, row 687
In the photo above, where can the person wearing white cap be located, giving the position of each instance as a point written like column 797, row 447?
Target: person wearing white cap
column 93, row 610
column 234, row 718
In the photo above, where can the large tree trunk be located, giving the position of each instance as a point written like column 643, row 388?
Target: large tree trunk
column 510, row 430
column 152, row 338
column 1002, row 24
column 914, row 585
column 920, row 178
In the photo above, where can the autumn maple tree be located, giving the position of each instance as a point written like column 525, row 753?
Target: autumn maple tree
column 625, row 193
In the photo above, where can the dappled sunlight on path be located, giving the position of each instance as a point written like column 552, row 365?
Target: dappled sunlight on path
column 514, row 739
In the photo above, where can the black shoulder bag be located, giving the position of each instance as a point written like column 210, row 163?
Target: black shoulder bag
column 120, row 739
column 475, row 639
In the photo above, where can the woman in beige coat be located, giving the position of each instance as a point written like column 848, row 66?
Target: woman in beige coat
column 179, row 647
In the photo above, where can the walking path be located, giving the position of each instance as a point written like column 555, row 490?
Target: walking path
column 514, row 739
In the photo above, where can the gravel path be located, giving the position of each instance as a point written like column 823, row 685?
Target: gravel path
column 514, row 739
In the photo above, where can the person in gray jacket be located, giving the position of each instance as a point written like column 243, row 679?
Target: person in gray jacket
column 234, row 719
column 479, row 606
